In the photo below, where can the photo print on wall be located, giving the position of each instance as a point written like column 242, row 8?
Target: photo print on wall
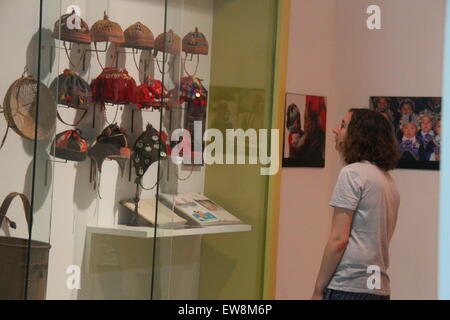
column 304, row 131
column 417, row 126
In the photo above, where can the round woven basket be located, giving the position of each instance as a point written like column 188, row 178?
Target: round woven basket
column 20, row 107
column 107, row 30
column 138, row 36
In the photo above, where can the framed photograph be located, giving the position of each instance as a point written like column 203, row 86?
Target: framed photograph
column 417, row 126
column 304, row 131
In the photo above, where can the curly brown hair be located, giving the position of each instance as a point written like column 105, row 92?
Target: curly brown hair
column 370, row 137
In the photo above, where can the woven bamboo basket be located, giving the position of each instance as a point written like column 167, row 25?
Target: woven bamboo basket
column 21, row 105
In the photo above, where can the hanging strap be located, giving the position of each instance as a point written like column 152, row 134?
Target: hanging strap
column 115, row 116
column 73, row 65
column 115, row 61
column 4, row 138
column 171, row 65
column 196, row 67
column 137, row 65
column 85, row 111
column 95, row 177
column 137, row 197
column 98, row 58
column 189, row 175
column 154, row 186
column 135, row 61
column 7, row 202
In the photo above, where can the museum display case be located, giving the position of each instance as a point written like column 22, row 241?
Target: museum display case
column 115, row 111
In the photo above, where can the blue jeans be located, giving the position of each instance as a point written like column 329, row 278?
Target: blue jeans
column 330, row 294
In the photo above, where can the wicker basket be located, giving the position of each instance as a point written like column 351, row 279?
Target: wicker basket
column 107, row 30
column 14, row 261
column 20, row 107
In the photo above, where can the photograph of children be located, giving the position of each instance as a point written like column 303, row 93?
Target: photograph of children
column 417, row 127
column 304, row 132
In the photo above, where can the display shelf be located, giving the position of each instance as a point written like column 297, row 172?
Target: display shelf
column 149, row 232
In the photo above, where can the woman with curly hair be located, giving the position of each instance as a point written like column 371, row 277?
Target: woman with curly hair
column 366, row 201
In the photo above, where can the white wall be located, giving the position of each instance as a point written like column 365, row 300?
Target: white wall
column 19, row 53
column 402, row 59
column 304, row 211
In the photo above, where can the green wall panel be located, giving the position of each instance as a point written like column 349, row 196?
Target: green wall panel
column 241, row 92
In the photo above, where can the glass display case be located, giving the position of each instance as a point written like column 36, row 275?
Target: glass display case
column 146, row 179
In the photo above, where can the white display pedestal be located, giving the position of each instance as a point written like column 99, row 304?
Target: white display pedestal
column 177, row 261
column 149, row 232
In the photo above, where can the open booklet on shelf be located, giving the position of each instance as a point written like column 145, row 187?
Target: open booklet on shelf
column 198, row 209
column 146, row 214
column 189, row 209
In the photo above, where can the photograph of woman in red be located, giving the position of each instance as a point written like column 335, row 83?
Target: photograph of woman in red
column 305, row 147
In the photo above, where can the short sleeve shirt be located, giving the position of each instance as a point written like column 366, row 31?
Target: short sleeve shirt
column 372, row 194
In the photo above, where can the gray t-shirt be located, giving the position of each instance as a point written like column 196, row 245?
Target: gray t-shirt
column 373, row 196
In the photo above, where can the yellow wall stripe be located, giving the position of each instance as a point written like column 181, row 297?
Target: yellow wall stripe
column 281, row 62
